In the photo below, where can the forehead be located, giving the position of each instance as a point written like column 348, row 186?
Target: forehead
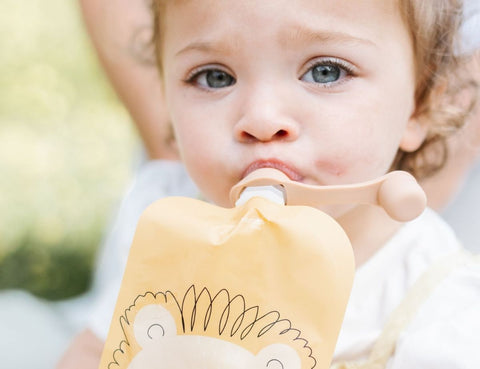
column 375, row 20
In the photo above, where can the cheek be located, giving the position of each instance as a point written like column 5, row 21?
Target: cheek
column 196, row 154
column 359, row 143
column 205, row 156
column 353, row 163
column 191, row 126
column 204, row 141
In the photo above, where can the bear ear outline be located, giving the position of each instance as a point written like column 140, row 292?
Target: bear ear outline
column 279, row 356
column 152, row 324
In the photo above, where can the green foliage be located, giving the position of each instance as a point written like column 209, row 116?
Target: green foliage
column 52, row 273
column 66, row 147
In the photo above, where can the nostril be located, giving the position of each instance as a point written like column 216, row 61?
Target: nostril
column 281, row 133
column 263, row 133
column 247, row 136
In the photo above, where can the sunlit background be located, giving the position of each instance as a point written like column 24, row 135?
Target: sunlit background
column 66, row 149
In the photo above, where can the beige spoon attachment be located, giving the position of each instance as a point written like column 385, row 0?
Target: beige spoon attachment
column 398, row 193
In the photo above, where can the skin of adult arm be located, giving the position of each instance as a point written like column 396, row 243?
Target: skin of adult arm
column 84, row 352
column 120, row 30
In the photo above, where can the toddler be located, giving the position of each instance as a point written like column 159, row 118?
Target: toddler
column 335, row 92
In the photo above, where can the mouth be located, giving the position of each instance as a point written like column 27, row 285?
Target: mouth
column 288, row 170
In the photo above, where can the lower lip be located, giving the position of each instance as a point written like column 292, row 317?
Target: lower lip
column 289, row 172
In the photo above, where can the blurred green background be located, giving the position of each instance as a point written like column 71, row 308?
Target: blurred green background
column 66, row 149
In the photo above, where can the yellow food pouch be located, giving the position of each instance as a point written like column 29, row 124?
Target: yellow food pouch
column 260, row 285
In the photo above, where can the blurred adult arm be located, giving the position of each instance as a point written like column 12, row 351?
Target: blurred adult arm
column 120, row 31
column 84, row 352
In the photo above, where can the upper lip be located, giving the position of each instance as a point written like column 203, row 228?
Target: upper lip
column 289, row 170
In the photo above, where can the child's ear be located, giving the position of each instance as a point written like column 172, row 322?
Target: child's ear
column 414, row 134
column 420, row 121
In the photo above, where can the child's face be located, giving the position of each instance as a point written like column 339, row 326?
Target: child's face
column 320, row 89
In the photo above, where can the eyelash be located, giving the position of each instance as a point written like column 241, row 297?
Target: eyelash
column 327, row 61
column 349, row 70
column 197, row 72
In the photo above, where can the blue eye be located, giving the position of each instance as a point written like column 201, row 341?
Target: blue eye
column 327, row 72
column 212, row 78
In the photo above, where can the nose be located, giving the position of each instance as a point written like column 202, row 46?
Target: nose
column 266, row 116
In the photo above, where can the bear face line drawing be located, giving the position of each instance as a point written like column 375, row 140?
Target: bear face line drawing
column 214, row 331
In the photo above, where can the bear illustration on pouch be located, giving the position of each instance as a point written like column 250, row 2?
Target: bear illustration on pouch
column 162, row 347
column 203, row 329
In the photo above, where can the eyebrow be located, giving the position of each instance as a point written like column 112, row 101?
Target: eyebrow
column 304, row 34
column 207, row 46
column 291, row 35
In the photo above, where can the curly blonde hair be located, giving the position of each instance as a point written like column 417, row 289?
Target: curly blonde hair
column 440, row 77
column 440, row 80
